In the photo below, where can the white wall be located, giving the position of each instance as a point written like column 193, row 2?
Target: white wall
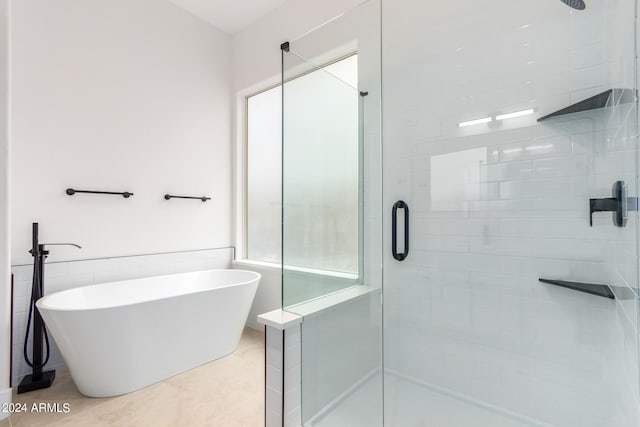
column 119, row 95
column 256, row 49
column 5, row 281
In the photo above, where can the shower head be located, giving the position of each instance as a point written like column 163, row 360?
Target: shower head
column 576, row 4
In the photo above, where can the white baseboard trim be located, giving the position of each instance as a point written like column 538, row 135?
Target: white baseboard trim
column 5, row 399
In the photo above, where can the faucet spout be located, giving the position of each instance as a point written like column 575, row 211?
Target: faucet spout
column 62, row 244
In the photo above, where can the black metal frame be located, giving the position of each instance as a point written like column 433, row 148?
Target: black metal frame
column 126, row 194
column 201, row 198
column 11, row 333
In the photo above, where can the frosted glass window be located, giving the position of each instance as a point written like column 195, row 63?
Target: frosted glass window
column 325, row 172
column 264, row 171
column 321, row 170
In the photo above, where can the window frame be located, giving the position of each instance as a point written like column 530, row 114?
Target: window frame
column 245, row 176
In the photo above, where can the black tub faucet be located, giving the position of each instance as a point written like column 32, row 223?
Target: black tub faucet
column 38, row 379
column 62, row 244
column 43, row 251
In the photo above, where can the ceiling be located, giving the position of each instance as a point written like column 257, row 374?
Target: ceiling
column 229, row 16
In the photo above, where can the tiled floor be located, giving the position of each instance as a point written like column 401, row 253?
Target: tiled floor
column 228, row 392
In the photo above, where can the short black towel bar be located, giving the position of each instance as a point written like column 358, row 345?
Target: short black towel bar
column 126, row 194
column 202, row 198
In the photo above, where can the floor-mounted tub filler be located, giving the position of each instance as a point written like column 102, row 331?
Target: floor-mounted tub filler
column 121, row 336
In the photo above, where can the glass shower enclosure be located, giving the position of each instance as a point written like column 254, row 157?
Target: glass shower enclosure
column 332, row 222
column 460, row 226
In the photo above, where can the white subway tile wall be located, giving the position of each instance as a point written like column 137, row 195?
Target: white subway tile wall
column 465, row 311
column 287, row 341
column 273, row 388
column 60, row 276
column 292, row 377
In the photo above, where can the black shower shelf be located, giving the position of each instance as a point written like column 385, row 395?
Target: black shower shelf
column 607, row 98
column 606, row 291
column 589, row 288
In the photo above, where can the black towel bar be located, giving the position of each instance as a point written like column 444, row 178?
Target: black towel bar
column 202, row 198
column 126, row 194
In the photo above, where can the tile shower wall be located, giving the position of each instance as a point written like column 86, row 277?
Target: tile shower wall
column 494, row 207
column 274, row 387
column 66, row 275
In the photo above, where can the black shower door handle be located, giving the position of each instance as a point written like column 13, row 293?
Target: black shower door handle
column 394, row 230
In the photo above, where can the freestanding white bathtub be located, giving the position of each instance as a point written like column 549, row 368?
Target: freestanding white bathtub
column 121, row 336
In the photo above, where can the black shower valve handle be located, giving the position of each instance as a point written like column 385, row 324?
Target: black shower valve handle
column 619, row 205
column 602, row 205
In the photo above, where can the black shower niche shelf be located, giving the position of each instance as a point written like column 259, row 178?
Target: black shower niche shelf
column 606, row 291
column 589, row 288
column 607, row 98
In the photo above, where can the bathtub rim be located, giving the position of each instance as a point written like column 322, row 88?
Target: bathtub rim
column 41, row 303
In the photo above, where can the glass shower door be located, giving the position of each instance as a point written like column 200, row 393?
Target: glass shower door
column 499, row 191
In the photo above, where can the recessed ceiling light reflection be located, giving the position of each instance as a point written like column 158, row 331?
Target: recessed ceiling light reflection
column 512, row 150
column 538, row 147
column 475, row 122
column 515, row 114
